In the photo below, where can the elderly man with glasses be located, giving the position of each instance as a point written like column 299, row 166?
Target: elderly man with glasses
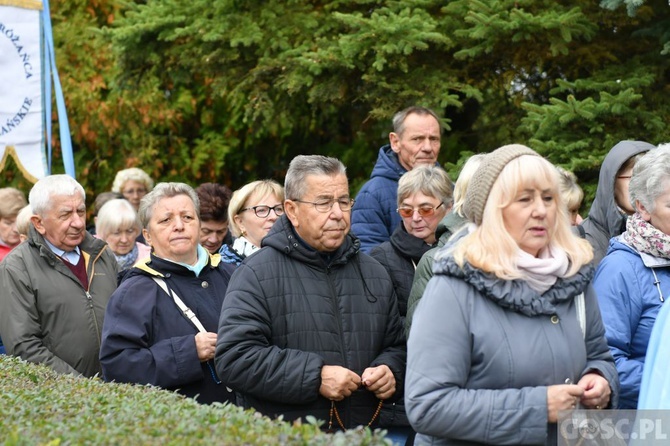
column 310, row 325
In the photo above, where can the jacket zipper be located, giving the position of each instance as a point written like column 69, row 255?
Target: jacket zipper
column 340, row 330
column 90, row 298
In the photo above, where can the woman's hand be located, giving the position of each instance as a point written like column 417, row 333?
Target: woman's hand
column 562, row 397
column 596, row 391
column 205, row 344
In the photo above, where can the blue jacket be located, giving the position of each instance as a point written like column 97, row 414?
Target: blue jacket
column 374, row 216
column 630, row 301
column 147, row 340
column 655, row 386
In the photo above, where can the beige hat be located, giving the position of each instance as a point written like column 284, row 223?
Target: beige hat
column 487, row 173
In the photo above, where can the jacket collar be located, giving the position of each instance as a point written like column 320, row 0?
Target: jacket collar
column 517, row 295
column 282, row 237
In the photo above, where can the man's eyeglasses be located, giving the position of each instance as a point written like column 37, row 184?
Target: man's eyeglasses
column 424, row 211
column 326, row 205
column 263, row 211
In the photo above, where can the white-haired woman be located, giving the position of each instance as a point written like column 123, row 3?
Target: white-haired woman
column 252, row 211
column 147, row 337
column 498, row 345
column 633, row 280
column 424, row 198
column 118, row 225
column 133, row 183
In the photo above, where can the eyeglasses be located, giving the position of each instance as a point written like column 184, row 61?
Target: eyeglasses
column 263, row 211
column 326, row 205
column 625, row 177
column 424, row 211
column 141, row 191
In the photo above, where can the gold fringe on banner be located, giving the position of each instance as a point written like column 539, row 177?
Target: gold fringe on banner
column 25, row 4
column 11, row 151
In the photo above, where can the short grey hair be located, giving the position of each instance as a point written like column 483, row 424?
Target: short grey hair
column 432, row 181
column 303, row 165
column 650, row 177
column 131, row 174
column 399, row 118
column 50, row 186
column 165, row 190
column 114, row 215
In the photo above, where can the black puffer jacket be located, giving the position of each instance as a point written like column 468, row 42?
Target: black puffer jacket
column 287, row 313
column 400, row 256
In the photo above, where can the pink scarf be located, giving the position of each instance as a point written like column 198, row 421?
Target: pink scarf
column 543, row 271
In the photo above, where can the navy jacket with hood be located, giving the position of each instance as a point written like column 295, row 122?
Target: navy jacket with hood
column 374, row 216
column 146, row 339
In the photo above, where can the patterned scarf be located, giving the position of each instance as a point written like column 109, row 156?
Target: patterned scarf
column 644, row 237
column 127, row 260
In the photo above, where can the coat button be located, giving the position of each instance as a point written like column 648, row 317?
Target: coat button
column 205, row 284
column 167, row 276
column 554, row 319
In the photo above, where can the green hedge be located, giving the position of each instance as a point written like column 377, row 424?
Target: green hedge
column 39, row 406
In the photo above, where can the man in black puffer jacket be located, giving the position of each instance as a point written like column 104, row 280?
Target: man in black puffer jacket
column 310, row 325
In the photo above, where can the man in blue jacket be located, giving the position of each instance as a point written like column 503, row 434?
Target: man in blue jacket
column 415, row 141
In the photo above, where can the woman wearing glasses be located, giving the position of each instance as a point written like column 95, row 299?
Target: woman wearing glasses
column 424, row 198
column 133, row 184
column 633, row 280
column 252, row 211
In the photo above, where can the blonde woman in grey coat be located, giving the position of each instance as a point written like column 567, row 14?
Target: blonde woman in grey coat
column 508, row 332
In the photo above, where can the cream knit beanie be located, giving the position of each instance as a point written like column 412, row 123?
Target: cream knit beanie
column 487, row 173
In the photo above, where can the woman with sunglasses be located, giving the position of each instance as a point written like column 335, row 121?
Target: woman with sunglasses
column 252, row 211
column 425, row 196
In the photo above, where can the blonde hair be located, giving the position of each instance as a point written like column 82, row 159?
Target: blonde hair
column 12, row 201
column 23, row 220
column 240, row 197
column 492, row 249
column 131, row 174
column 571, row 193
column 463, row 180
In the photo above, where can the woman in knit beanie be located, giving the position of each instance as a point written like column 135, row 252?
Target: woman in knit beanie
column 508, row 332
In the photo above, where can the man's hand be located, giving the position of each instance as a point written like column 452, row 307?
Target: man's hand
column 338, row 382
column 380, row 381
column 205, row 344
